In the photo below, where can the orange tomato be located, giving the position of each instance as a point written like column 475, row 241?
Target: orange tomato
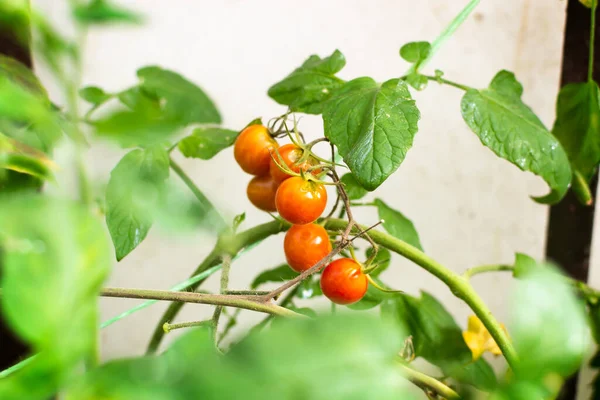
column 261, row 192
column 305, row 245
column 289, row 154
column 343, row 282
column 300, row 201
column 252, row 149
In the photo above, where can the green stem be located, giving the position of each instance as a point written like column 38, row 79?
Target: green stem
column 206, row 204
column 486, row 268
column 446, row 33
column 427, row 382
column 180, row 286
column 592, row 39
column 441, row 80
column 459, row 286
column 224, row 283
column 200, row 298
column 167, row 327
column 240, row 242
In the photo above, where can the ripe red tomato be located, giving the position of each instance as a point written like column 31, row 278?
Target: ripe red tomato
column 252, row 149
column 290, row 154
column 343, row 282
column 261, row 192
column 300, row 201
column 305, row 245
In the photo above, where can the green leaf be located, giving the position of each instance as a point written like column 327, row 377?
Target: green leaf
column 94, row 95
column 255, row 121
column 311, row 85
column 140, row 127
column 513, row 132
column 136, row 98
column 353, row 188
column 184, row 101
column 417, row 81
column 26, row 114
column 415, row 52
column 205, row 143
column 479, row 374
column 577, row 125
column 398, row 225
column 524, row 265
column 278, row 274
column 104, row 12
column 309, row 312
column 237, row 221
column 350, row 357
column 55, row 257
column 18, row 157
column 549, row 328
column 21, row 75
column 372, row 126
column 437, row 338
column 309, row 288
column 135, row 183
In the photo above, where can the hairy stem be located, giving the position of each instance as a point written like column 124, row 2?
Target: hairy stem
column 441, row 80
column 167, row 327
column 200, row 298
column 224, row 283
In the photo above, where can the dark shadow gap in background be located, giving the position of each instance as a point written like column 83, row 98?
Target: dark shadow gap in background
column 570, row 225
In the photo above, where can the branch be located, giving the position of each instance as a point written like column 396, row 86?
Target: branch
column 486, row 268
column 239, row 242
column 247, row 303
column 427, row 383
column 458, row 285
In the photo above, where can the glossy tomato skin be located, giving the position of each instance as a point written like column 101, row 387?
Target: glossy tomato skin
column 290, row 154
column 261, row 192
column 252, row 150
column 343, row 282
column 305, row 245
column 300, row 201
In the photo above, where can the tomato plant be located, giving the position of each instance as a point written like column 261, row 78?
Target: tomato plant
column 58, row 248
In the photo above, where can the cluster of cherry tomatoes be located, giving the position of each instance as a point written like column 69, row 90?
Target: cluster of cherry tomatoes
column 286, row 180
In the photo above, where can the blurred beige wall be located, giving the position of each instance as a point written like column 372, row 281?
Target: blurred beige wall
column 469, row 207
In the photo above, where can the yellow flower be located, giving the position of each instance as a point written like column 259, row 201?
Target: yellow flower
column 478, row 339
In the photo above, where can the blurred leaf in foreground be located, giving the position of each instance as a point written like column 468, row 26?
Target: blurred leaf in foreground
column 341, row 357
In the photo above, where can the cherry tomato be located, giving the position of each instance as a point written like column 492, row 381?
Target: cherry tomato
column 305, row 245
column 290, row 154
column 252, row 150
column 261, row 192
column 343, row 282
column 300, row 201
